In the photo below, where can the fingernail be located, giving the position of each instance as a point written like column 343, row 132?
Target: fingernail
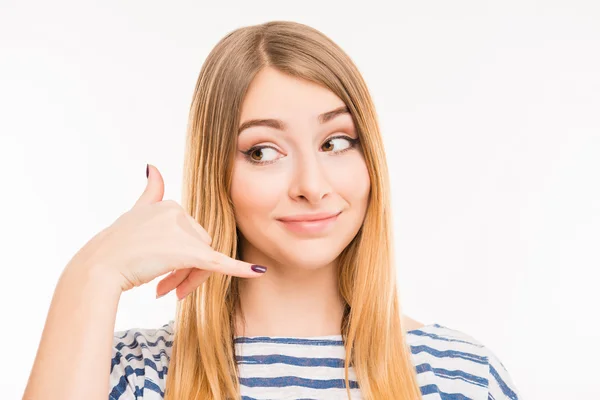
column 259, row 268
column 158, row 296
column 147, row 171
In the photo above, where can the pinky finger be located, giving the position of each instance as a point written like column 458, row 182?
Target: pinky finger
column 171, row 281
column 191, row 282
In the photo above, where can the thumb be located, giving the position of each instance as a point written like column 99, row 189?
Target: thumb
column 155, row 188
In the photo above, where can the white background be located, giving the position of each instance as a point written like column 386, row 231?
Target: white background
column 490, row 113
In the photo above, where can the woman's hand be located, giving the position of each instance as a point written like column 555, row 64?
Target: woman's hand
column 156, row 237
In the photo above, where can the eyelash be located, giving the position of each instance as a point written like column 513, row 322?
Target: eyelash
column 247, row 153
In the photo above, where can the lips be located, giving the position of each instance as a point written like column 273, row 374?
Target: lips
column 314, row 224
column 309, row 217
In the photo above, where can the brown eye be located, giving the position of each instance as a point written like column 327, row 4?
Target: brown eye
column 349, row 143
column 256, row 155
column 255, row 152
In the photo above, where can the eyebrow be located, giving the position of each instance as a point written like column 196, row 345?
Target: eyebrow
column 279, row 124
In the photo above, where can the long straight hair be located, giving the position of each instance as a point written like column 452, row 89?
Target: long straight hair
column 202, row 364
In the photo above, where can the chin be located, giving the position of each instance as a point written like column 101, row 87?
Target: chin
column 309, row 254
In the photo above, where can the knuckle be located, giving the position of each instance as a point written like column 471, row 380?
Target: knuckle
column 170, row 204
column 214, row 259
column 174, row 209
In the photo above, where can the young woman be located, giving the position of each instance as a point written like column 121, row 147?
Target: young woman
column 281, row 254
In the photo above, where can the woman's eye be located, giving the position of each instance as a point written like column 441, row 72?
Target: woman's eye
column 341, row 139
column 263, row 155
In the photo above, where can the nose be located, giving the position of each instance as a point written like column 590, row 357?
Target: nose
column 309, row 180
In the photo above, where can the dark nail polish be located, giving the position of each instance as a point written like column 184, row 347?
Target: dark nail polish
column 259, row 268
column 147, row 171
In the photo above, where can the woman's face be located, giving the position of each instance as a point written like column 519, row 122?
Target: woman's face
column 303, row 164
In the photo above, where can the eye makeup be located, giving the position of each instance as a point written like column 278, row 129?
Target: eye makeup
column 248, row 153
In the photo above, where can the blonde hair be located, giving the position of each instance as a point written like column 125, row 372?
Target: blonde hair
column 202, row 364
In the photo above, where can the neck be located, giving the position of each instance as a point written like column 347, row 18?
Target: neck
column 290, row 301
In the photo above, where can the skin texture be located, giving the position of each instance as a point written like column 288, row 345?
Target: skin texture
column 304, row 171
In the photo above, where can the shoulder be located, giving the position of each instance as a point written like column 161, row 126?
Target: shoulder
column 139, row 363
column 449, row 361
column 410, row 324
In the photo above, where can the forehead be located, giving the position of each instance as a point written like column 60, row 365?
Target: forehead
column 274, row 94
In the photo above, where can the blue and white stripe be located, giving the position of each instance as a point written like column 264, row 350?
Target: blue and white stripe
column 450, row 365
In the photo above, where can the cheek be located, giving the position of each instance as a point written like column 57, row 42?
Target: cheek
column 352, row 182
column 254, row 194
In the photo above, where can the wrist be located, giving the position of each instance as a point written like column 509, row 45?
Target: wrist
column 94, row 277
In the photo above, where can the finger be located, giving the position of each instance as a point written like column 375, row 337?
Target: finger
column 201, row 256
column 155, row 187
column 219, row 262
column 191, row 282
column 171, row 281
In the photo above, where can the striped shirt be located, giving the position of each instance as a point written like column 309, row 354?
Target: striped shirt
column 450, row 365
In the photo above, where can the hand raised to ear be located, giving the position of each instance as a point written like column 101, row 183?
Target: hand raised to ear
column 155, row 237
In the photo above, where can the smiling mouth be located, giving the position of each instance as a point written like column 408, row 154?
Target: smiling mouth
column 310, row 226
column 309, row 217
